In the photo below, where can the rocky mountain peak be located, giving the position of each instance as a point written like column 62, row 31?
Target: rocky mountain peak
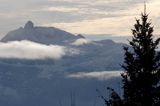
column 29, row 25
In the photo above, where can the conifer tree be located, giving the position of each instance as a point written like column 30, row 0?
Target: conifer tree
column 141, row 78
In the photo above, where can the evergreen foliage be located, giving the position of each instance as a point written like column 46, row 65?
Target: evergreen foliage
column 141, row 78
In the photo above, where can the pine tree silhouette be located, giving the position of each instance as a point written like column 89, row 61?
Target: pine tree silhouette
column 141, row 78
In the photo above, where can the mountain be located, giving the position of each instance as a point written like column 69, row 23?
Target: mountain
column 84, row 67
column 44, row 35
column 90, row 55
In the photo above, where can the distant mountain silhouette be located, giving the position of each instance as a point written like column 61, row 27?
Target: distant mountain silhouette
column 93, row 55
column 45, row 35
column 44, row 82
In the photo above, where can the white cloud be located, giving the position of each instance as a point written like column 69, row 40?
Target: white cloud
column 103, row 75
column 114, row 17
column 61, row 9
column 112, row 25
column 119, row 17
column 31, row 50
column 81, row 41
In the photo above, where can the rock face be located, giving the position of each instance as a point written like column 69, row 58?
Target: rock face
column 29, row 25
column 45, row 35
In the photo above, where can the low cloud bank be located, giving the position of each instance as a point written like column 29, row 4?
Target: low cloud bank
column 82, row 41
column 103, row 75
column 31, row 50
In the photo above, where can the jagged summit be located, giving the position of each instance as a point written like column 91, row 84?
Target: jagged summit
column 29, row 25
column 45, row 35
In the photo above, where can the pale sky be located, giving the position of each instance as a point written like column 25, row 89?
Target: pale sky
column 113, row 17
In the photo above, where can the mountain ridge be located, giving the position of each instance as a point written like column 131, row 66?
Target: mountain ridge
column 44, row 35
column 43, row 82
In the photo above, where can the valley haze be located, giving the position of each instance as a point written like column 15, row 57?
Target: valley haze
column 68, row 49
column 44, row 65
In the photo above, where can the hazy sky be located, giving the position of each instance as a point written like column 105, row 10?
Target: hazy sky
column 114, row 17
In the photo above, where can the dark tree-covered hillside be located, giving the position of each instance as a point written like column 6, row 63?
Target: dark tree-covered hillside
column 140, row 80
